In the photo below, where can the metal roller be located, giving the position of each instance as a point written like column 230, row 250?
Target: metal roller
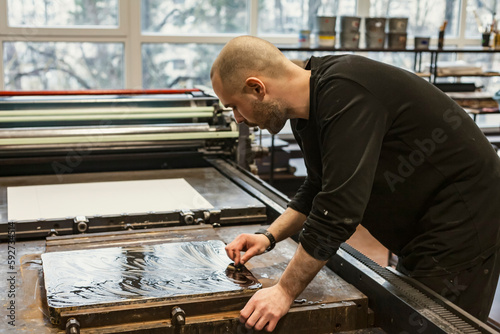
column 102, row 130
column 86, row 148
column 101, row 111
column 118, row 138
column 107, row 116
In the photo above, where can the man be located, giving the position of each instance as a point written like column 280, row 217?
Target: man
column 382, row 147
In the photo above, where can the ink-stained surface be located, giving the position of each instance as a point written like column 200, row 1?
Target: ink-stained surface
column 327, row 297
column 119, row 274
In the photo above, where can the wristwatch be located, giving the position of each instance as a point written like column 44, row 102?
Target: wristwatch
column 270, row 237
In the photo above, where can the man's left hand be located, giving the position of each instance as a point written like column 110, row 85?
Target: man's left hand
column 266, row 307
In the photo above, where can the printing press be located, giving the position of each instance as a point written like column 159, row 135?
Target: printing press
column 115, row 209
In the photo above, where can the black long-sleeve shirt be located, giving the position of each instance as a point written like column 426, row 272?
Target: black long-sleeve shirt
column 386, row 149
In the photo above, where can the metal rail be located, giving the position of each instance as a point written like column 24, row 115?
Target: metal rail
column 103, row 130
column 101, row 111
column 6, row 142
column 399, row 305
column 97, row 92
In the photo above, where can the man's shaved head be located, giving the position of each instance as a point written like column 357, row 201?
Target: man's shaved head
column 264, row 88
column 247, row 56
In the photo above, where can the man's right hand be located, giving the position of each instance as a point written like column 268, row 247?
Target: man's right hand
column 251, row 244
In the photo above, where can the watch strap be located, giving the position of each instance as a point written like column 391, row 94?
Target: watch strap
column 269, row 236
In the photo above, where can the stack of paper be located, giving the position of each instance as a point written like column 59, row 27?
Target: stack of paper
column 459, row 67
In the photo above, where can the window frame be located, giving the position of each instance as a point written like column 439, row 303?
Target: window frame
column 121, row 30
column 129, row 33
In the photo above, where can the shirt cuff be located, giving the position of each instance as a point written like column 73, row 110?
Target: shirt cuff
column 320, row 247
column 293, row 204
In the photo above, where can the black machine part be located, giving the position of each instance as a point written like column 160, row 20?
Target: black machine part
column 402, row 304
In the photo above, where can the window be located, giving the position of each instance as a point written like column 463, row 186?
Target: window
column 485, row 11
column 406, row 60
column 63, row 13
column 99, row 44
column 424, row 16
column 290, row 16
column 194, row 17
column 178, row 65
column 59, row 65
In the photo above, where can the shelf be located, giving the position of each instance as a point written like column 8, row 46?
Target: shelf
column 333, row 49
column 482, row 111
column 423, row 74
column 470, row 95
column 418, row 53
column 430, row 50
column 485, row 74
column 478, row 49
column 475, row 102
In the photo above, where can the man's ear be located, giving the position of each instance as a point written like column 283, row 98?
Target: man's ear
column 255, row 86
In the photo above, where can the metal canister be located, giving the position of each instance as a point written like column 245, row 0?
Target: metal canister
column 350, row 24
column 398, row 24
column 349, row 40
column 396, row 40
column 375, row 25
column 326, row 41
column 305, row 38
column 326, row 24
column 422, row 43
column 375, row 40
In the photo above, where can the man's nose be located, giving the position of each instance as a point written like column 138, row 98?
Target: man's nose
column 238, row 117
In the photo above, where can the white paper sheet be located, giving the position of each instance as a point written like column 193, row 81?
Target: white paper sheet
column 102, row 198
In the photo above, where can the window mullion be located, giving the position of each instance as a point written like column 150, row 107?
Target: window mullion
column 363, row 8
column 133, row 46
column 3, row 17
column 253, row 12
column 3, row 29
column 2, row 84
column 463, row 24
